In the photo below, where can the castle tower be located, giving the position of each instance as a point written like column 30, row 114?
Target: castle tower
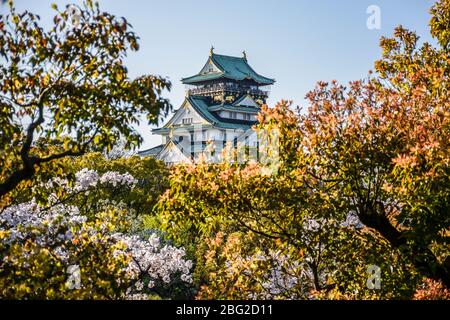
column 221, row 105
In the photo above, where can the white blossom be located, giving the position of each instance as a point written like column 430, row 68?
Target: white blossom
column 352, row 221
column 85, row 179
column 282, row 280
column 154, row 261
column 55, row 226
column 115, row 178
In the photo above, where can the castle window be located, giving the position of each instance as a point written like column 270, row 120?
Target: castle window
column 247, row 116
column 187, row 121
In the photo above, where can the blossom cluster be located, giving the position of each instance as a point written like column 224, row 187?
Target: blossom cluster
column 18, row 220
column 53, row 228
column 58, row 227
column 87, row 178
column 281, row 278
column 153, row 261
column 115, row 178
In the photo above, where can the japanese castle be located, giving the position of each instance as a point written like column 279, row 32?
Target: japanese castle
column 220, row 107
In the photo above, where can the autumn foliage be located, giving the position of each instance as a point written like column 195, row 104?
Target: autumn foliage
column 352, row 202
column 363, row 179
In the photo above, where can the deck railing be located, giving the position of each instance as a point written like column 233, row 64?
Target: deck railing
column 231, row 88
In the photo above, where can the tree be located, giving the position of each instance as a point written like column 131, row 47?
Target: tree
column 42, row 243
column 288, row 216
column 151, row 175
column 385, row 144
column 68, row 84
column 376, row 153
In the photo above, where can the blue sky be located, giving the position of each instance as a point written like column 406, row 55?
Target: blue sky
column 296, row 42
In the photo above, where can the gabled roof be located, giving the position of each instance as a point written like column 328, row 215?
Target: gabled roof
column 235, row 68
column 239, row 102
column 179, row 114
column 174, row 146
column 229, row 107
column 200, row 105
column 152, row 152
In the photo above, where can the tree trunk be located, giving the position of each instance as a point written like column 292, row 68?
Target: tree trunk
column 13, row 180
column 420, row 256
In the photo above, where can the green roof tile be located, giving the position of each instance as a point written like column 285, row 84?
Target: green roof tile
column 200, row 105
column 152, row 152
column 229, row 107
column 234, row 68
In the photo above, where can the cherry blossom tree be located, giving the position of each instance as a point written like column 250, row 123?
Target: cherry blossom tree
column 40, row 243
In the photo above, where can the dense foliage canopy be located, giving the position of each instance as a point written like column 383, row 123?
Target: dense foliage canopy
column 354, row 202
column 363, row 182
column 68, row 85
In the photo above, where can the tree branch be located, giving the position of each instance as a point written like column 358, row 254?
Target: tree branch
column 420, row 255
